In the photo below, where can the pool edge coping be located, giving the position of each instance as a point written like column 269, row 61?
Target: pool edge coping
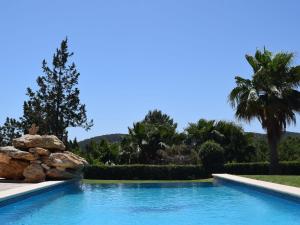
column 279, row 188
column 20, row 191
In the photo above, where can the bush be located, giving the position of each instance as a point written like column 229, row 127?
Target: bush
column 211, row 155
column 145, row 172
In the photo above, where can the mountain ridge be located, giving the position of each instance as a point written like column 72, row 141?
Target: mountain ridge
column 117, row 137
column 113, row 138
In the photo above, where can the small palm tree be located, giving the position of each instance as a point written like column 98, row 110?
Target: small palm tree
column 271, row 96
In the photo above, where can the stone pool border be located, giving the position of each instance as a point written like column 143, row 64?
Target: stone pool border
column 264, row 185
column 14, row 193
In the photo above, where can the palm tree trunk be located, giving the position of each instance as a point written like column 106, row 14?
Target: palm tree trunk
column 273, row 143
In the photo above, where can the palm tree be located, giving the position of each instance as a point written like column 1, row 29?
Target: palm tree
column 202, row 131
column 155, row 132
column 271, row 96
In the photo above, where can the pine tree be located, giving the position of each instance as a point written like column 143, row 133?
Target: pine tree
column 55, row 106
column 9, row 130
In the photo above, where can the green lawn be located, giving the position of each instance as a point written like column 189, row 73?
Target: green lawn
column 287, row 180
column 86, row 181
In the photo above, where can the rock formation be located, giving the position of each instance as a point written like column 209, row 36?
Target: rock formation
column 36, row 158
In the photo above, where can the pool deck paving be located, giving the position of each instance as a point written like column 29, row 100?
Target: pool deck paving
column 280, row 188
column 12, row 189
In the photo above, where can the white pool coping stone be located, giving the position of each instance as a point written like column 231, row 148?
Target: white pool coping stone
column 280, row 188
column 26, row 189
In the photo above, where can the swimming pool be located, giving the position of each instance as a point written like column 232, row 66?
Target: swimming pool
column 152, row 204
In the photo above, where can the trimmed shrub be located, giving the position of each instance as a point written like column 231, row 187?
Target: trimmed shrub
column 262, row 168
column 211, row 155
column 182, row 172
column 259, row 168
column 289, row 168
column 146, row 172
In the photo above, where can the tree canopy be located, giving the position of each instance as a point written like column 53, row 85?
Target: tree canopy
column 271, row 95
column 55, row 105
column 155, row 132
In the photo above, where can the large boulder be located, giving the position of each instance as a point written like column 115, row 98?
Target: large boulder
column 50, row 142
column 39, row 151
column 11, row 152
column 13, row 170
column 4, row 158
column 66, row 160
column 59, row 174
column 40, row 157
column 34, row 173
column 77, row 157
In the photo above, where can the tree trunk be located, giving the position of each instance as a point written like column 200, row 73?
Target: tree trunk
column 273, row 143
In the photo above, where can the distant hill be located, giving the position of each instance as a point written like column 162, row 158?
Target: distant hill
column 286, row 134
column 114, row 138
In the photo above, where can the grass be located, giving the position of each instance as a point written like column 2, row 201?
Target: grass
column 87, row 181
column 279, row 179
column 287, row 180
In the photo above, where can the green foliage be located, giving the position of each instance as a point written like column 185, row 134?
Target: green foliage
column 202, row 131
column 179, row 155
column 55, row 106
column 237, row 145
column 261, row 150
column 184, row 154
column 271, row 95
column 289, row 168
column 284, row 168
column 289, row 149
column 145, row 172
column 11, row 129
column 112, row 138
column 156, row 132
column 156, row 117
column 102, row 152
column 247, row 168
column 181, row 172
column 129, row 151
column 211, row 155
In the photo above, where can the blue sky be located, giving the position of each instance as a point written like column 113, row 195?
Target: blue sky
column 133, row 56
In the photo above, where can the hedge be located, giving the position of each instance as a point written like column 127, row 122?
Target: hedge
column 247, row 168
column 262, row 168
column 289, row 168
column 145, row 172
column 182, row 172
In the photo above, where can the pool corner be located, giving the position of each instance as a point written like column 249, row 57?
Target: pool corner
column 25, row 189
column 277, row 188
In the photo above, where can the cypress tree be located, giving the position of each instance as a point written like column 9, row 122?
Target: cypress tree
column 55, row 105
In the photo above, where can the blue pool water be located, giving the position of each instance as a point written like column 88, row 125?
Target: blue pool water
column 152, row 204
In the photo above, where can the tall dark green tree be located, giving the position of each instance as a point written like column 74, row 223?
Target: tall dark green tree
column 230, row 136
column 129, row 151
column 271, row 96
column 238, row 146
column 156, row 132
column 289, row 149
column 55, row 105
column 158, row 118
column 9, row 130
column 202, row 131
